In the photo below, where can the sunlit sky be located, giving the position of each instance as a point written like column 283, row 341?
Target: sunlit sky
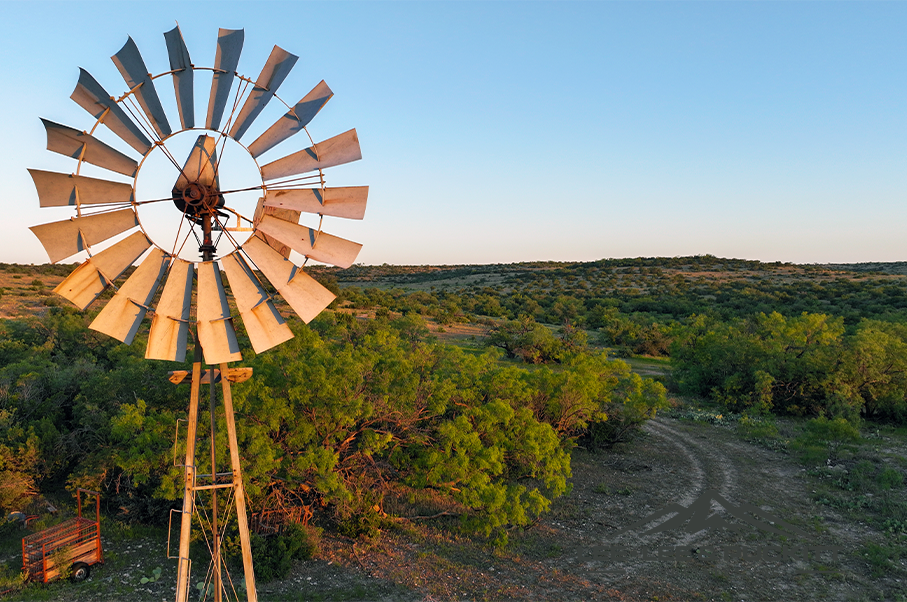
column 499, row 132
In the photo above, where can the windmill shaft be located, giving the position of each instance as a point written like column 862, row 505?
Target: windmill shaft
column 215, row 538
column 207, row 249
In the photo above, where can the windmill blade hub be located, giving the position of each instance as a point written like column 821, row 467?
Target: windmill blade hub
column 197, row 200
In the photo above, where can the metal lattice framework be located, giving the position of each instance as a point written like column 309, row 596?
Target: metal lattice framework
column 107, row 210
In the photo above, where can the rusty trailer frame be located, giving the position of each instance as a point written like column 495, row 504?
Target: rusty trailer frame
column 47, row 554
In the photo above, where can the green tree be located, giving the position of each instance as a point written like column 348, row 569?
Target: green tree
column 766, row 362
column 526, row 340
column 871, row 375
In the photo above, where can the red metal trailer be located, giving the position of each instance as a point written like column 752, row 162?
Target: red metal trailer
column 74, row 543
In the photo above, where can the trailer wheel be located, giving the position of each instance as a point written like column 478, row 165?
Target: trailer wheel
column 80, row 571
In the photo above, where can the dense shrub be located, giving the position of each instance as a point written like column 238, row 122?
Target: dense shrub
column 525, row 339
column 804, row 365
column 765, row 363
column 636, row 401
column 636, row 334
column 274, row 555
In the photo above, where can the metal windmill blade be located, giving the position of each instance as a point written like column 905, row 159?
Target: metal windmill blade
column 229, row 47
column 132, row 67
column 183, row 77
column 73, row 143
column 265, row 326
column 294, row 121
column 60, row 189
column 169, row 332
column 66, row 238
column 100, row 271
column 122, row 316
column 272, row 75
column 338, row 150
column 348, row 201
column 92, row 97
column 313, row 244
column 305, row 295
column 157, row 296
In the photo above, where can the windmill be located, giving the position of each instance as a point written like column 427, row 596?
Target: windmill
column 108, row 227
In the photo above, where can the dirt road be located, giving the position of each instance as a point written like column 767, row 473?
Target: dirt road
column 767, row 539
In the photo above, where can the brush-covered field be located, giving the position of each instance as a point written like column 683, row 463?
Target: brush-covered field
column 644, row 429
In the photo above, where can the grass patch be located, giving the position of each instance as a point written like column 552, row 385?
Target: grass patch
column 882, row 557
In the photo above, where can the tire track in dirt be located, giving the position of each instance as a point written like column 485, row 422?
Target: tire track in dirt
column 711, row 469
column 676, row 468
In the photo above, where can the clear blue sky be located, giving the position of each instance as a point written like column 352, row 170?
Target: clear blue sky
column 512, row 131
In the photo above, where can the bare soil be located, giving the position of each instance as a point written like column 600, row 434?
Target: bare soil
column 27, row 293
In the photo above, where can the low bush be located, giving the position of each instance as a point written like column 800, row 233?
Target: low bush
column 274, row 555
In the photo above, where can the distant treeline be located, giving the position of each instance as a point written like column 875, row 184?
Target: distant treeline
column 650, row 289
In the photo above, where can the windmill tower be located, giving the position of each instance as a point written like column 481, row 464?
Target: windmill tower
column 108, row 225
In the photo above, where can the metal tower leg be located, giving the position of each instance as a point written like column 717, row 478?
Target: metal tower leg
column 239, row 490
column 182, row 577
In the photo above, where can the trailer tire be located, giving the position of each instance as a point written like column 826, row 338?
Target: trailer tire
column 80, row 571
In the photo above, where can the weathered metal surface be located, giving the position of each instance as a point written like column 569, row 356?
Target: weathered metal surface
column 114, row 260
column 215, row 326
column 183, row 561
column 183, row 76
column 264, row 325
column 199, row 166
column 132, row 67
column 272, row 75
column 170, row 323
column 343, row 148
column 234, row 375
column 71, row 142
column 293, row 121
column 245, row 542
column 91, row 278
column 123, row 314
column 303, row 293
column 229, row 47
column 62, row 189
column 319, row 246
column 288, row 215
column 92, row 97
column 65, row 238
column 348, row 202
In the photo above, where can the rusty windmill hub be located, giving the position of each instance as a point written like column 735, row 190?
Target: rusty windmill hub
column 198, row 200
